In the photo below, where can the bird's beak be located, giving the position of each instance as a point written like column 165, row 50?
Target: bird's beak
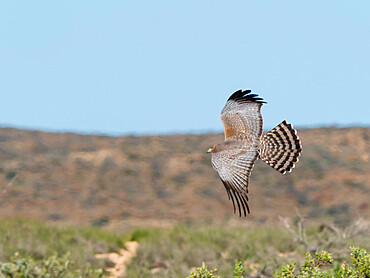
column 209, row 150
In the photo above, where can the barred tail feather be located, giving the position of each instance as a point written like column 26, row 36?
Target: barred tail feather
column 281, row 147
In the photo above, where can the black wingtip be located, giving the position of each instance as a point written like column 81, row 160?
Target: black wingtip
column 246, row 96
column 237, row 201
column 240, row 200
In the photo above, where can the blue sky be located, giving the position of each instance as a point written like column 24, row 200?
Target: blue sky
column 143, row 67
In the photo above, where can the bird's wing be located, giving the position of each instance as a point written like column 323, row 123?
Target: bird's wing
column 234, row 171
column 241, row 114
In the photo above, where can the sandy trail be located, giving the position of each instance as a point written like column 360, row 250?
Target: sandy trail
column 121, row 259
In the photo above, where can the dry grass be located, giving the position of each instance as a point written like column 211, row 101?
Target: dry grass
column 174, row 252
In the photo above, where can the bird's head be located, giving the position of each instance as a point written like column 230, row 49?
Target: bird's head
column 211, row 149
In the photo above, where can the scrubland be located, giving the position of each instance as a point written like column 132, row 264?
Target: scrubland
column 67, row 197
column 177, row 251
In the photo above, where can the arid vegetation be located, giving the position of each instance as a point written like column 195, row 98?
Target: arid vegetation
column 171, row 252
column 84, row 195
column 158, row 180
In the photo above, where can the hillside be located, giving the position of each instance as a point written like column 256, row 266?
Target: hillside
column 156, row 180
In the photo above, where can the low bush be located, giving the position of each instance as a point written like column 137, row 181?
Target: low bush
column 313, row 267
column 50, row 267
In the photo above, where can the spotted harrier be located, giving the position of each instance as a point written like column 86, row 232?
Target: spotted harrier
column 245, row 143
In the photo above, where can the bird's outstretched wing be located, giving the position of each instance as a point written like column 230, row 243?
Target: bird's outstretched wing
column 241, row 114
column 234, row 170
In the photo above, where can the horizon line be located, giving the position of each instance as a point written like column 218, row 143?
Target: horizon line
column 164, row 133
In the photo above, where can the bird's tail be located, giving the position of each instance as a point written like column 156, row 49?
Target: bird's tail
column 281, row 147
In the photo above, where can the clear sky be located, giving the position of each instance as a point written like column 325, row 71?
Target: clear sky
column 143, row 67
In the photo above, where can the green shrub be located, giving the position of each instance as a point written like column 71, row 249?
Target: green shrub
column 51, row 267
column 312, row 267
column 38, row 240
column 204, row 272
column 361, row 263
column 239, row 270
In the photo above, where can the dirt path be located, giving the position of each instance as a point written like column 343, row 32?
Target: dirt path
column 121, row 259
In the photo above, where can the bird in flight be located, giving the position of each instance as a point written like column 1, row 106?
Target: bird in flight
column 245, row 143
